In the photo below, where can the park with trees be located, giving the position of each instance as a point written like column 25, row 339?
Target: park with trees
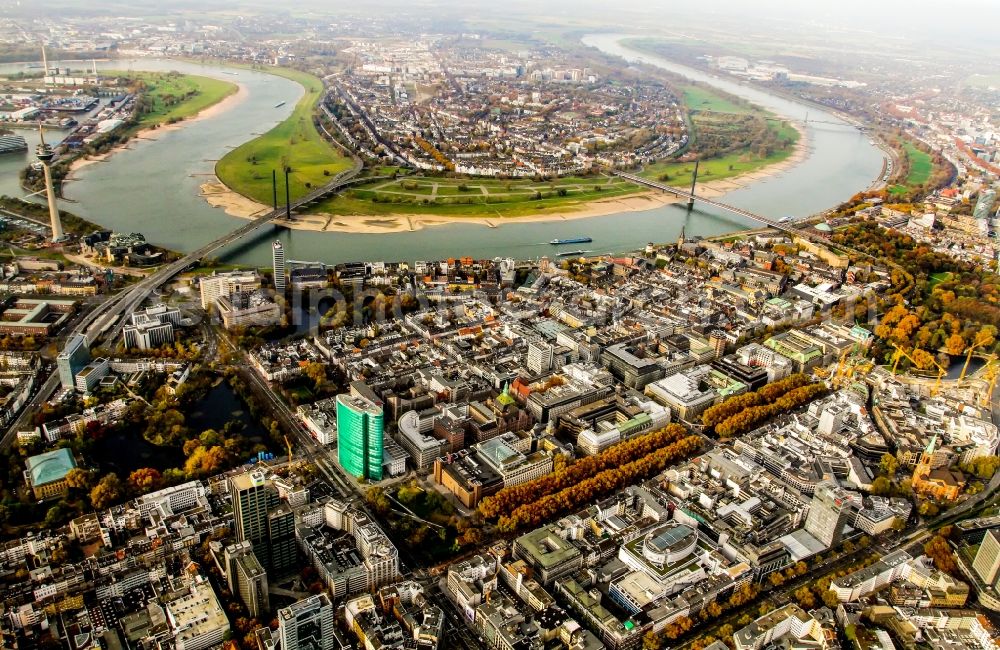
column 936, row 303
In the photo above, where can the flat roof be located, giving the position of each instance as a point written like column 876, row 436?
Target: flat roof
column 546, row 547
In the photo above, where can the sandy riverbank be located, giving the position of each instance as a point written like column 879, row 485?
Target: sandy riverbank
column 237, row 205
column 154, row 133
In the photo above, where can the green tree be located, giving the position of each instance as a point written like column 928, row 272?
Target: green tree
column 78, row 479
column 316, row 371
column 145, row 479
column 889, row 465
column 108, row 491
column 805, row 597
column 938, row 550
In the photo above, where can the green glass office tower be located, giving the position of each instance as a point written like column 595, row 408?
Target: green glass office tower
column 359, row 432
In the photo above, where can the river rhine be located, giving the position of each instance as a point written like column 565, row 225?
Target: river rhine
column 152, row 187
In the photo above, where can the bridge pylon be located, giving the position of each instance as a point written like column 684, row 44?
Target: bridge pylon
column 694, row 179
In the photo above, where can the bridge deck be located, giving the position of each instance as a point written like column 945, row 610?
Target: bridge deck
column 639, row 180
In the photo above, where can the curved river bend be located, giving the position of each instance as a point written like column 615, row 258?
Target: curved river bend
column 152, row 188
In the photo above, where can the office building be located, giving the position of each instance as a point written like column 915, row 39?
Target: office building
column 307, row 624
column 197, row 620
column 281, row 539
column 326, row 531
column 90, row 375
column 717, row 339
column 359, row 432
column 631, row 365
column 147, row 333
column 308, row 277
column 72, row 359
column 278, row 261
column 217, row 285
column 247, row 578
column 829, row 511
column 415, row 429
column 787, row 627
column 251, row 501
column 261, row 519
column 987, row 561
column 33, row 316
column 686, row 393
column 248, row 309
column 539, row 357
column 158, row 313
column 798, row 347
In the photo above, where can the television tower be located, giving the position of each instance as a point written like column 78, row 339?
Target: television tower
column 45, row 155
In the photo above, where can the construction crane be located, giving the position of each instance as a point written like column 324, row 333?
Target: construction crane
column 838, row 374
column 981, row 340
column 941, row 373
column 865, row 367
column 900, row 353
column 991, row 374
column 288, row 443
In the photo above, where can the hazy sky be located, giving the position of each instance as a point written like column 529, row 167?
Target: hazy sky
column 963, row 23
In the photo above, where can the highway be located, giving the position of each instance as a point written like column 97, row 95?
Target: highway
column 107, row 320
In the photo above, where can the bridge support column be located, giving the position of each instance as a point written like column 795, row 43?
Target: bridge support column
column 274, row 186
column 694, row 179
column 288, row 199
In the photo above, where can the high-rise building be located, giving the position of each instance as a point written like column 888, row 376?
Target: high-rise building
column 45, row 156
column 278, row 261
column 987, row 561
column 147, row 333
column 159, row 313
column 261, row 520
column 281, row 539
column 359, row 432
column 307, row 624
column 251, row 501
column 223, row 284
column 73, row 358
column 829, row 511
column 984, row 205
column 247, row 578
column 539, row 357
column 718, row 341
column 253, row 308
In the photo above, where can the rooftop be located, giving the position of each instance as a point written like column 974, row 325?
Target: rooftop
column 50, row 467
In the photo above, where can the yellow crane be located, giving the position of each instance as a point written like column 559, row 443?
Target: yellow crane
column 288, row 443
column 981, row 340
column 900, row 353
column 941, row 373
column 841, row 365
column 990, row 374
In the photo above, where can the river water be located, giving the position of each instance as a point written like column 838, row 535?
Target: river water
column 152, row 188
